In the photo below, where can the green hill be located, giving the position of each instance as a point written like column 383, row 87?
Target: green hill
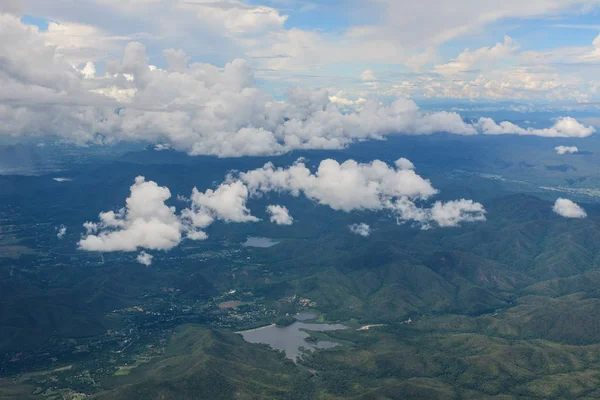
column 201, row 363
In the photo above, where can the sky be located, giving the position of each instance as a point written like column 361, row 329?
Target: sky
column 255, row 77
column 546, row 50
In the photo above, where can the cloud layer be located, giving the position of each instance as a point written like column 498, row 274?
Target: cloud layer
column 195, row 107
column 564, row 127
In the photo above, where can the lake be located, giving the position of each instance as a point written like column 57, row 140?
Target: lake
column 291, row 338
column 263, row 242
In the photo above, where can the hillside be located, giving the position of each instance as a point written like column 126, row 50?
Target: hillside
column 200, row 363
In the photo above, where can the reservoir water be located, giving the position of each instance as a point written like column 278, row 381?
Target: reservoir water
column 291, row 338
column 263, row 242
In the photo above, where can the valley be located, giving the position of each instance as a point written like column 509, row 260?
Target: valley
column 505, row 309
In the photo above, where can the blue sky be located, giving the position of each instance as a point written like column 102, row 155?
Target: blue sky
column 40, row 22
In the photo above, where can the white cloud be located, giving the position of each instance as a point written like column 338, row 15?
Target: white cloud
column 361, row 229
column 80, row 43
column 348, row 186
column 398, row 32
column 504, row 72
column 566, row 149
column 390, row 33
column 19, row 69
column 242, row 28
column 237, row 18
column 345, row 103
column 403, row 163
column 430, row 22
column 368, row 75
column 482, row 57
column 416, row 62
column 62, row 231
column 89, row 70
column 162, row 147
column 144, row 258
column 352, row 186
column 299, row 50
column 90, row 227
column 564, row 127
column 449, row 214
column 203, row 26
column 505, row 82
column 194, row 107
column 587, row 54
column 226, row 203
column 146, row 222
column 280, row 215
column 568, row 209
column 452, row 213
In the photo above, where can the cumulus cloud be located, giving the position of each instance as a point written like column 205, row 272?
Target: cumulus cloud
column 347, row 186
column 452, row 213
column 280, row 215
column 195, row 107
column 346, row 103
column 566, row 149
column 89, row 71
column 368, row 75
column 403, row 163
column 62, row 231
column 162, row 147
column 352, row 186
column 145, row 258
column 148, row 222
column 361, row 229
column 226, row 203
column 145, row 222
column 564, row 127
column 444, row 215
column 568, row 209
